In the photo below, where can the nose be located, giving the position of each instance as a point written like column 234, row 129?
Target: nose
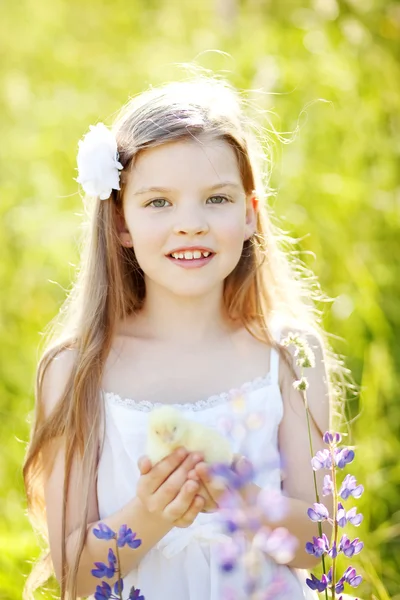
column 191, row 221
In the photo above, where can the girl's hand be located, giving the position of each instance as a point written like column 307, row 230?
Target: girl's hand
column 212, row 487
column 166, row 492
column 210, row 505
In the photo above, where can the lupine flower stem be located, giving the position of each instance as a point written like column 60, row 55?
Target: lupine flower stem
column 335, row 521
column 315, row 480
column 119, row 570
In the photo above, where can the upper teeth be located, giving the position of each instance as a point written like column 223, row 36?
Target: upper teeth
column 190, row 255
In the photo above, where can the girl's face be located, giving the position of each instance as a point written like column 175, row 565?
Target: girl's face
column 187, row 215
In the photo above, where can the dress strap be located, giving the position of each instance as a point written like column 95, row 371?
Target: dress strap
column 274, row 356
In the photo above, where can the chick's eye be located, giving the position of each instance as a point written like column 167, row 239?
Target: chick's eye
column 158, row 203
column 175, row 428
column 218, row 199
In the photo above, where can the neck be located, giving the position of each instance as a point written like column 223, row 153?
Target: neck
column 188, row 319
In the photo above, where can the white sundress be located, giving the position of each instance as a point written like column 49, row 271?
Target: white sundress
column 184, row 564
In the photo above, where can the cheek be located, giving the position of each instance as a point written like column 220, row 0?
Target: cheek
column 147, row 237
column 231, row 234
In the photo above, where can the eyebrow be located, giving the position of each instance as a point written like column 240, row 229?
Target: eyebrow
column 217, row 186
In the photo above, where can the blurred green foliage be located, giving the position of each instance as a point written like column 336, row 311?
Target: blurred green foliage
column 65, row 65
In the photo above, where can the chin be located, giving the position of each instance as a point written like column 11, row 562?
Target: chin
column 195, row 285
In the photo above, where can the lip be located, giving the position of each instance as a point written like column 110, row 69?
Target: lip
column 194, row 263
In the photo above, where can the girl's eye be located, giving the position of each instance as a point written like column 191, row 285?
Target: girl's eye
column 158, row 203
column 218, row 199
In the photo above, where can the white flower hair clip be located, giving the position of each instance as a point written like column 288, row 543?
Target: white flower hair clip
column 98, row 162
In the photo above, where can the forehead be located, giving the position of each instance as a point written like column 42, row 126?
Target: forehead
column 185, row 164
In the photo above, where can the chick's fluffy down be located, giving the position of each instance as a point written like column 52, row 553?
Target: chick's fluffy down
column 168, row 429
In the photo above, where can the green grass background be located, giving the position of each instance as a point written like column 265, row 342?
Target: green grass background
column 65, row 65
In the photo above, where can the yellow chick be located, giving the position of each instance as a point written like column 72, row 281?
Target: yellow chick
column 168, row 429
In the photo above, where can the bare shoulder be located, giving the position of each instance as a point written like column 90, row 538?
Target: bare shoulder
column 55, row 378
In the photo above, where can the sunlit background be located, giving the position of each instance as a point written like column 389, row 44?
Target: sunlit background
column 330, row 69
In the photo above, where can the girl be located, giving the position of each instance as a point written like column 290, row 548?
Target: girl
column 183, row 292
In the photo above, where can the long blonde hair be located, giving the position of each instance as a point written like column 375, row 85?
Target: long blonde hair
column 269, row 280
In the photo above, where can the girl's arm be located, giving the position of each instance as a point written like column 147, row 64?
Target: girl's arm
column 148, row 528
column 294, row 444
column 163, row 499
column 150, row 524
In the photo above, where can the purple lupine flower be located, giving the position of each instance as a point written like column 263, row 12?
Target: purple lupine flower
column 354, row 518
column 333, row 551
column 351, row 577
column 350, row 488
column 233, row 518
column 339, row 586
column 237, row 477
column 332, row 438
column 134, row 594
column 278, row 543
column 228, row 553
column 104, row 532
column 103, row 570
column 118, row 586
column 315, row 584
column 112, row 559
column 350, row 548
column 341, row 515
column 350, row 516
column 319, row 512
column 103, row 591
column 322, row 460
column 343, row 457
column 224, row 471
column 273, row 504
column 318, row 547
column 126, row 536
column 245, row 470
column 231, row 525
column 277, row 588
column 327, row 488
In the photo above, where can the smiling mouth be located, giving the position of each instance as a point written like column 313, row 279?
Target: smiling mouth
column 191, row 255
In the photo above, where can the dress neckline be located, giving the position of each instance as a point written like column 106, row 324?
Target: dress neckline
column 213, row 400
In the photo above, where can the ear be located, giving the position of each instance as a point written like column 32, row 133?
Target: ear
column 123, row 231
column 251, row 215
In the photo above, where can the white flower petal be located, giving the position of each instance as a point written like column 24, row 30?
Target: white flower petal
column 98, row 165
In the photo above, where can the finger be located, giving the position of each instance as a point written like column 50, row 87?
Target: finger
column 144, row 464
column 203, row 491
column 209, row 503
column 193, row 475
column 181, row 503
column 205, row 475
column 163, row 469
column 189, row 516
column 171, row 487
column 215, row 486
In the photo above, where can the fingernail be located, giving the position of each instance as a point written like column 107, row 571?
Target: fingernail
column 181, row 453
